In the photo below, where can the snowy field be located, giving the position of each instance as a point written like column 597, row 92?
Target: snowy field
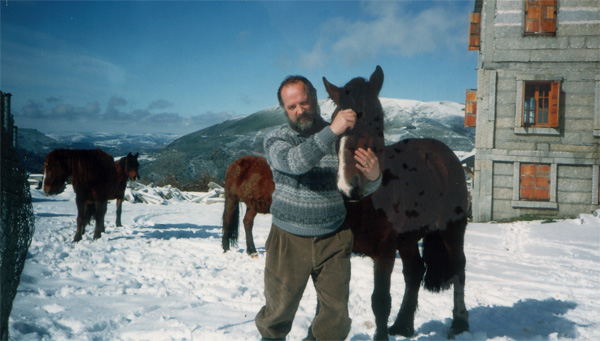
column 163, row 276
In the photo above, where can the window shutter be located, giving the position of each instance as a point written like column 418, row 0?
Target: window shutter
column 474, row 31
column 535, row 182
column 532, row 16
column 554, row 104
column 548, row 17
column 540, row 17
column 471, row 108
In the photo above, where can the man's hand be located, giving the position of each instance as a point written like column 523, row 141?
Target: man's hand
column 368, row 163
column 344, row 120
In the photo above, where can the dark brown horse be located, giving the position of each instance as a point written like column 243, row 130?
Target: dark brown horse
column 423, row 195
column 127, row 168
column 94, row 179
column 242, row 179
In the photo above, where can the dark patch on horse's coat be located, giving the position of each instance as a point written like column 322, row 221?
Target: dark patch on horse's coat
column 412, row 213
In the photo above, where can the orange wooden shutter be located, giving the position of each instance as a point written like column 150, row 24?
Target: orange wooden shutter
column 474, row 31
column 548, row 16
column 554, row 104
column 540, row 17
column 471, row 108
column 535, row 182
column 532, row 16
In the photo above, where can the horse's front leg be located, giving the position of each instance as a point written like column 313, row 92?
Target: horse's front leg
column 248, row 225
column 413, row 270
column 119, row 207
column 381, row 300
column 100, row 212
column 81, row 219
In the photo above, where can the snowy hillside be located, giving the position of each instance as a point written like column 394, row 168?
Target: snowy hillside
column 163, row 276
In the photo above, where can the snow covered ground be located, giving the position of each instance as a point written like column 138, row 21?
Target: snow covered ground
column 163, row 276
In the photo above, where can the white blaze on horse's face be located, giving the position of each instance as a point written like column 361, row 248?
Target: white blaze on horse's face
column 342, row 183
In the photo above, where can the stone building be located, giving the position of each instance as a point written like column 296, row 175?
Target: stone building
column 537, row 108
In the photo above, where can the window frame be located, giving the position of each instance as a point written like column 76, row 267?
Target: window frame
column 554, row 116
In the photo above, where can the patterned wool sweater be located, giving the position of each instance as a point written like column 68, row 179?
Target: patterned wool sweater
column 306, row 201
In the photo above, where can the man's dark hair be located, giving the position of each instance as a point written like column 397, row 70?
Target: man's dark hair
column 310, row 89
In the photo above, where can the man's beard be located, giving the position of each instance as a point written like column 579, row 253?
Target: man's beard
column 304, row 123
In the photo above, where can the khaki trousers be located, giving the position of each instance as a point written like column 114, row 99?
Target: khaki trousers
column 290, row 261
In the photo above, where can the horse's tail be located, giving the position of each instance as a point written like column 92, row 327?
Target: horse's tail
column 231, row 222
column 443, row 254
column 437, row 263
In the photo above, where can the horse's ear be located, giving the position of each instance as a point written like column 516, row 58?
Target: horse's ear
column 129, row 154
column 376, row 80
column 333, row 91
column 137, row 154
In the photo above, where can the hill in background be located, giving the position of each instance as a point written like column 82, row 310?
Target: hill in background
column 208, row 152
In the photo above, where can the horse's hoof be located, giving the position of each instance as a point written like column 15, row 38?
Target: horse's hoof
column 381, row 336
column 406, row 331
column 458, row 327
column 253, row 254
column 76, row 239
column 98, row 236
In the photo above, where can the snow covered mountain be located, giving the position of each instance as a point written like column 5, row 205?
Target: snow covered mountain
column 208, row 152
column 33, row 146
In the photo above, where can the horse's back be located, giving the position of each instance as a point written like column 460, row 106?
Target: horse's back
column 94, row 171
column 250, row 180
column 426, row 182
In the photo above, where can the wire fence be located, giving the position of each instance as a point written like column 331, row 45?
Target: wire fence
column 17, row 223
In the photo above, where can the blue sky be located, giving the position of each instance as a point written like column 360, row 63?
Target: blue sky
column 175, row 67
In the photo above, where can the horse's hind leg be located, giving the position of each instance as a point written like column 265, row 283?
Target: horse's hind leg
column 454, row 241
column 119, row 208
column 100, row 213
column 248, row 225
column 413, row 270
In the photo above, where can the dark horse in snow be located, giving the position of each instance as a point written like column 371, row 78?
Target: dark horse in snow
column 94, row 179
column 423, row 195
column 127, row 168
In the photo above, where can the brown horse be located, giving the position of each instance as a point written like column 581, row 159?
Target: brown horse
column 423, row 195
column 94, row 178
column 127, row 168
column 242, row 179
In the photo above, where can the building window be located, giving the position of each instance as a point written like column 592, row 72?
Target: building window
column 474, row 31
column 540, row 104
column 535, row 182
column 471, row 108
column 537, row 111
column 540, row 17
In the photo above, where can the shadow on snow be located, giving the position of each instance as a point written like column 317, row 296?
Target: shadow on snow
column 179, row 231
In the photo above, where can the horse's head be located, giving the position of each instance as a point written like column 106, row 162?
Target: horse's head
column 361, row 96
column 131, row 166
column 55, row 173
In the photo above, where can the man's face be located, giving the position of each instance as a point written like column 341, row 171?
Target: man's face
column 298, row 106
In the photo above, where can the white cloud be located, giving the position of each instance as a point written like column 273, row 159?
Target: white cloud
column 389, row 29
